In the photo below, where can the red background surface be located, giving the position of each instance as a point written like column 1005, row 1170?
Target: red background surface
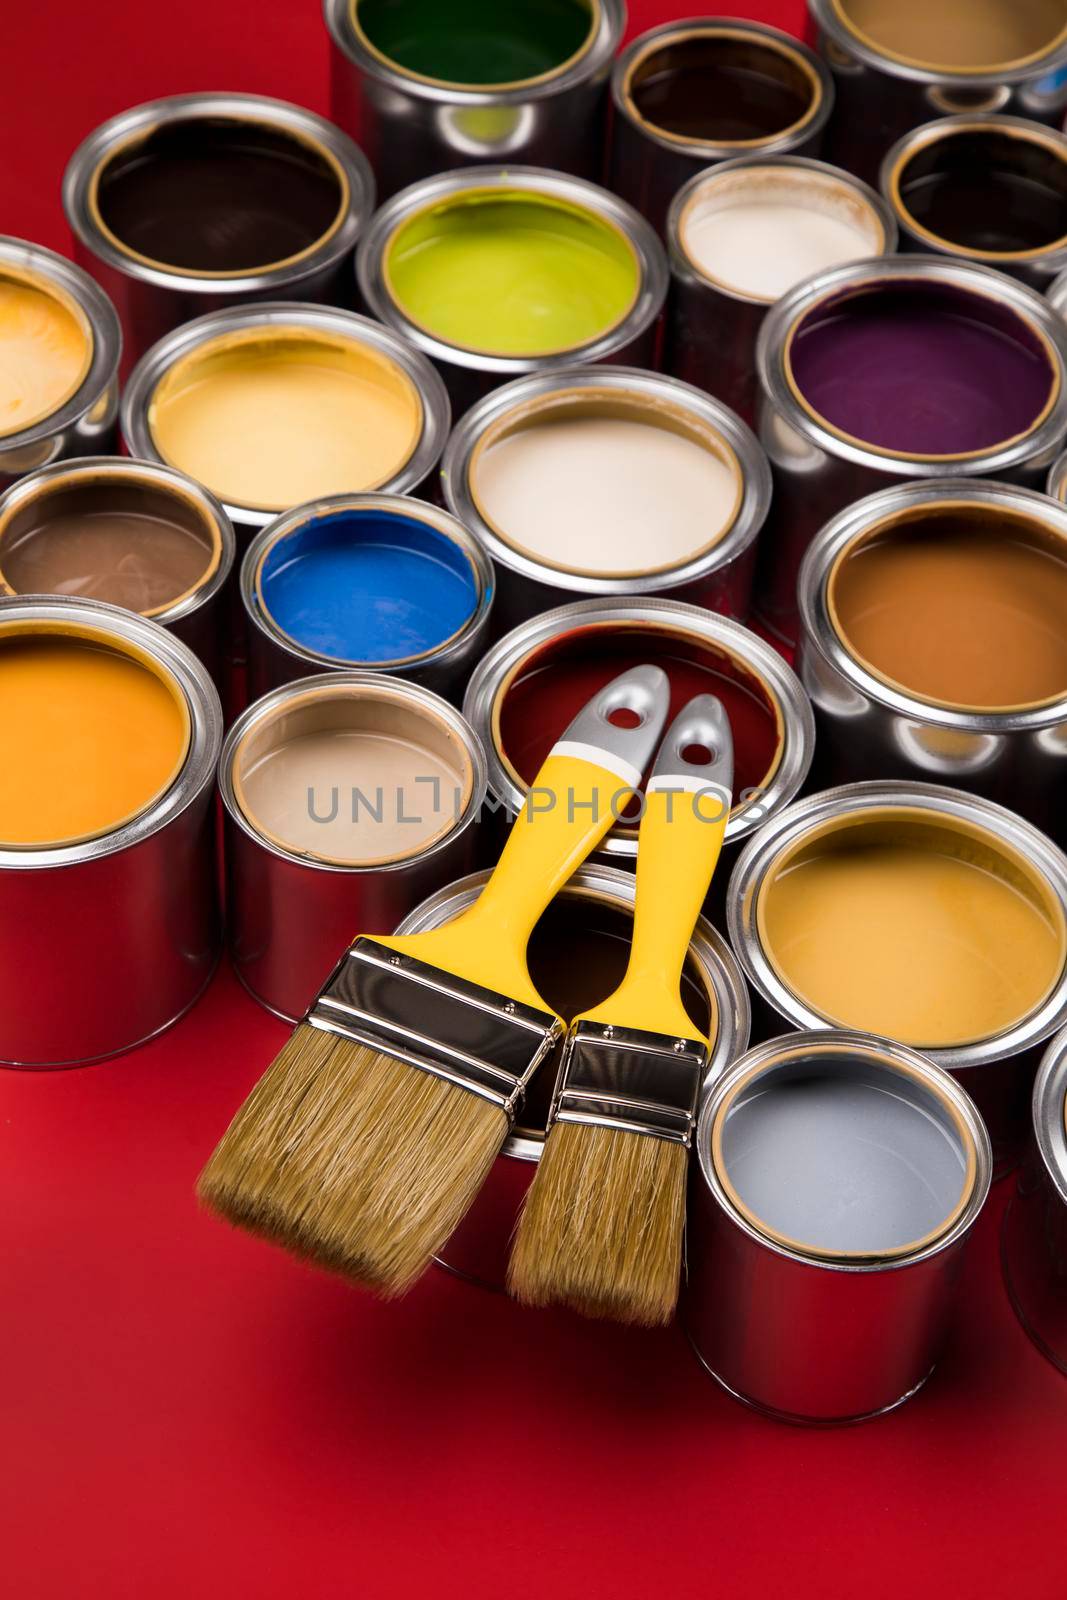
column 185, row 1412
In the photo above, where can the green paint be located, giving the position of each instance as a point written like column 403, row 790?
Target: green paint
column 476, row 41
column 510, row 273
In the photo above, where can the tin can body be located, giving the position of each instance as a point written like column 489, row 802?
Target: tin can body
column 413, row 126
column 154, row 296
column 808, row 1340
column 652, row 153
column 105, row 943
column 1034, row 1237
column 480, row 1246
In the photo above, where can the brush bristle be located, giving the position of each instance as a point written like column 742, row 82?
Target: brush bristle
column 353, row 1159
column 601, row 1230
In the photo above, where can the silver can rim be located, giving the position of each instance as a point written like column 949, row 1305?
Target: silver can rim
column 716, row 960
column 819, row 634
column 826, row 18
column 1056, row 294
column 873, row 1047
column 593, row 58
column 330, row 320
column 133, row 469
column 827, row 805
column 104, row 327
column 1048, row 1107
column 755, row 474
column 382, row 683
column 443, row 522
column 1050, row 258
column 1057, row 479
column 966, row 276
column 713, row 149
column 797, row 717
column 653, row 272
column 205, row 724
column 685, row 268
column 280, row 116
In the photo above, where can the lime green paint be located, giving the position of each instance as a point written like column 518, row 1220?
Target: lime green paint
column 511, row 273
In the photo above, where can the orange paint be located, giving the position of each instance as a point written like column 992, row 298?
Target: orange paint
column 91, row 736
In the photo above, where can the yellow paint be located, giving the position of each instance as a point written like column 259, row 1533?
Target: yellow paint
column 91, row 736
column 45, row 351
column 273, row 417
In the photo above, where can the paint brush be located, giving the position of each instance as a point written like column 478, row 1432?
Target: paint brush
column 367, row 1139
column 601, row 1230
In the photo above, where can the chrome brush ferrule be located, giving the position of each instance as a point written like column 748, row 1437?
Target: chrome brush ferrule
column 632, row 1080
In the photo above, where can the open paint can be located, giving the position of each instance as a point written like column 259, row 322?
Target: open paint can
column 200, row 201
column 496, row 272
column 60, row 343
column 691, row 93
column 577, row 955
column 934, row 642
column 348, row 798
column 918, row 913
column 606, row 481
column 989, row 189
column 426, row 88
column 837, row 1179
column 366, row 581
column 897, row 63
column 1057, row 479
column 130, row 533
column 1034, row 1238
column 1056, row 294
column 902, row 368
column 741, row 235
column 108, row 919
column 532, row 683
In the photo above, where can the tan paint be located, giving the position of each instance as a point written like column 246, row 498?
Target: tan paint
column 46, row 348
column 957, row 35
column 926, row 931
column 273, row 417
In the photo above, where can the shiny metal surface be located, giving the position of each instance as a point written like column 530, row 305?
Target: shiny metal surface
column 869, row 729
column 712, row 330
column 412, row 127
column 720, row 580
column 1056, row 294
column 479, row 1248
column 879, row 99
column 997, row 1072
column 1057, row 479
column 819, row 1340
column 817, row 472
column 274, row 658
column 105, row 943
column 85, row 424
column 647, row 165
column 1034, row 1236
column 289, row 918
column 470, row 374
column 152, row 299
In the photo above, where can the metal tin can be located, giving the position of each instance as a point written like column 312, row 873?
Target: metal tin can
column 1034, row 1237
column 965, row 831
column 107, row 940
column 294, row 903
column 819, row 468
column 713, row 325
column 102, row 486
column 817, row 1304
column 469, row 373
column 988, row 188
column 885, row 87
column 577, row 955
column 82, row 421
column 412, row 124
column 120, row 238
column 718, row 576
column 530, row 683
column 687, row 94
column 870, row 724
column 276, row 656
column 1056, row 294
column 1057, row 479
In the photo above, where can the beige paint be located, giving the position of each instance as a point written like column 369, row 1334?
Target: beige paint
column 957, row 34
column 273, row 417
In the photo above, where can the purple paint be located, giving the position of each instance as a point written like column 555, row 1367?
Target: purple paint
column 921, row 368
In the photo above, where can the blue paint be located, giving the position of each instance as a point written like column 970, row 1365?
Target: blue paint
column 368, row 586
